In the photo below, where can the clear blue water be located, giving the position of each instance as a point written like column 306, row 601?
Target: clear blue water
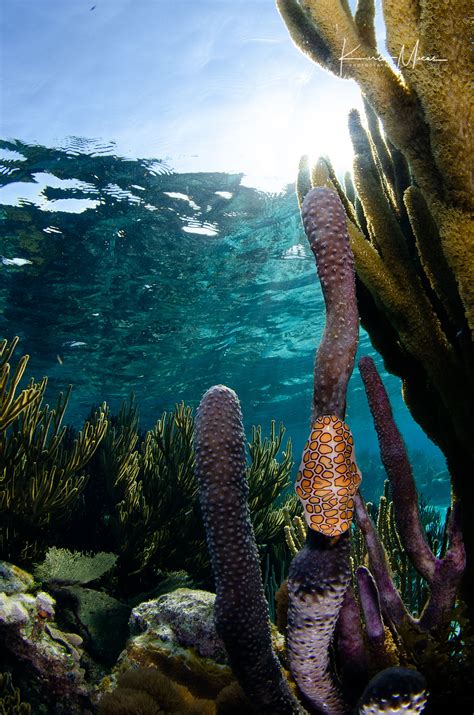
column 123, row 276
column 167, row 273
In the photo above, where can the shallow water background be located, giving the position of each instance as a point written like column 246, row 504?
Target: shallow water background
column 160, row 275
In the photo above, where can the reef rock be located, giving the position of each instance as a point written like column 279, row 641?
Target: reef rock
column 186, row 617
column 101, row 619
column 14, row 580
column 52, row 657
column 175, row 633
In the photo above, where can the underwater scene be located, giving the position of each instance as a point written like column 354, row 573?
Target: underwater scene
column 236, row 361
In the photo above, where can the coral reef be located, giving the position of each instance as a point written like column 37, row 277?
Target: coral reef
column 100, row 619
column 147, row 491
column 176, row 635
column 410, row 214
column 28, row 633
column 138, row 493
column 318, row 590
column 321, row 573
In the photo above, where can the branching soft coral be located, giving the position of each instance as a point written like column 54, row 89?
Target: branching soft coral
column 41, row 467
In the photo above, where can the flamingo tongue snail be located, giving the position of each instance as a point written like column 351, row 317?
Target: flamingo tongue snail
column 328, row 477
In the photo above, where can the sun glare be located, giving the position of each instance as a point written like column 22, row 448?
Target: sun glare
column 279, row 128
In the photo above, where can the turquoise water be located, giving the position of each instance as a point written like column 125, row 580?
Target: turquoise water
column 124, row 276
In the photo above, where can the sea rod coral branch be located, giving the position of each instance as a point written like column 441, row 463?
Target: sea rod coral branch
column 241, row 611
column 320, row 572
column 443, row 575
column 391, row 603
column 398, row 468
column 324, row 221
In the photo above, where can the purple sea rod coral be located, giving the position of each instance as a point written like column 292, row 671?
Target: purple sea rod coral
column 324, row 222
column 241, row 611
column 442, row 574
column 320, row 573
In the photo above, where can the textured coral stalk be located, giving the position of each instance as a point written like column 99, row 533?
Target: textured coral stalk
column 398, row 468
column 320, row 572
column 318, row 579
column 443, row 575
column 351, row 652
column 324, row 221
column 390, row 600
column 447, row 575
column 241, row 611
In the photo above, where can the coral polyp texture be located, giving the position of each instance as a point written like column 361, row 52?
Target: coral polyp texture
column 394, row 690
column 318, row 579
column 241, row 611
column 328, row 477
column 324, row 221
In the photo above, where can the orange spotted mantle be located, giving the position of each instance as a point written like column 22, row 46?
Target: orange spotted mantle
column 328, row 477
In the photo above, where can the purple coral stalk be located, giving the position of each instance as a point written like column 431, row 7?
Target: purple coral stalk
column 320, row 572
column 443, row 575
column 241, row 610
column 447, row 575
column 324, row 221
column 398, row 468
column 370, row 604
column 391, row 603
column 351, row 652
